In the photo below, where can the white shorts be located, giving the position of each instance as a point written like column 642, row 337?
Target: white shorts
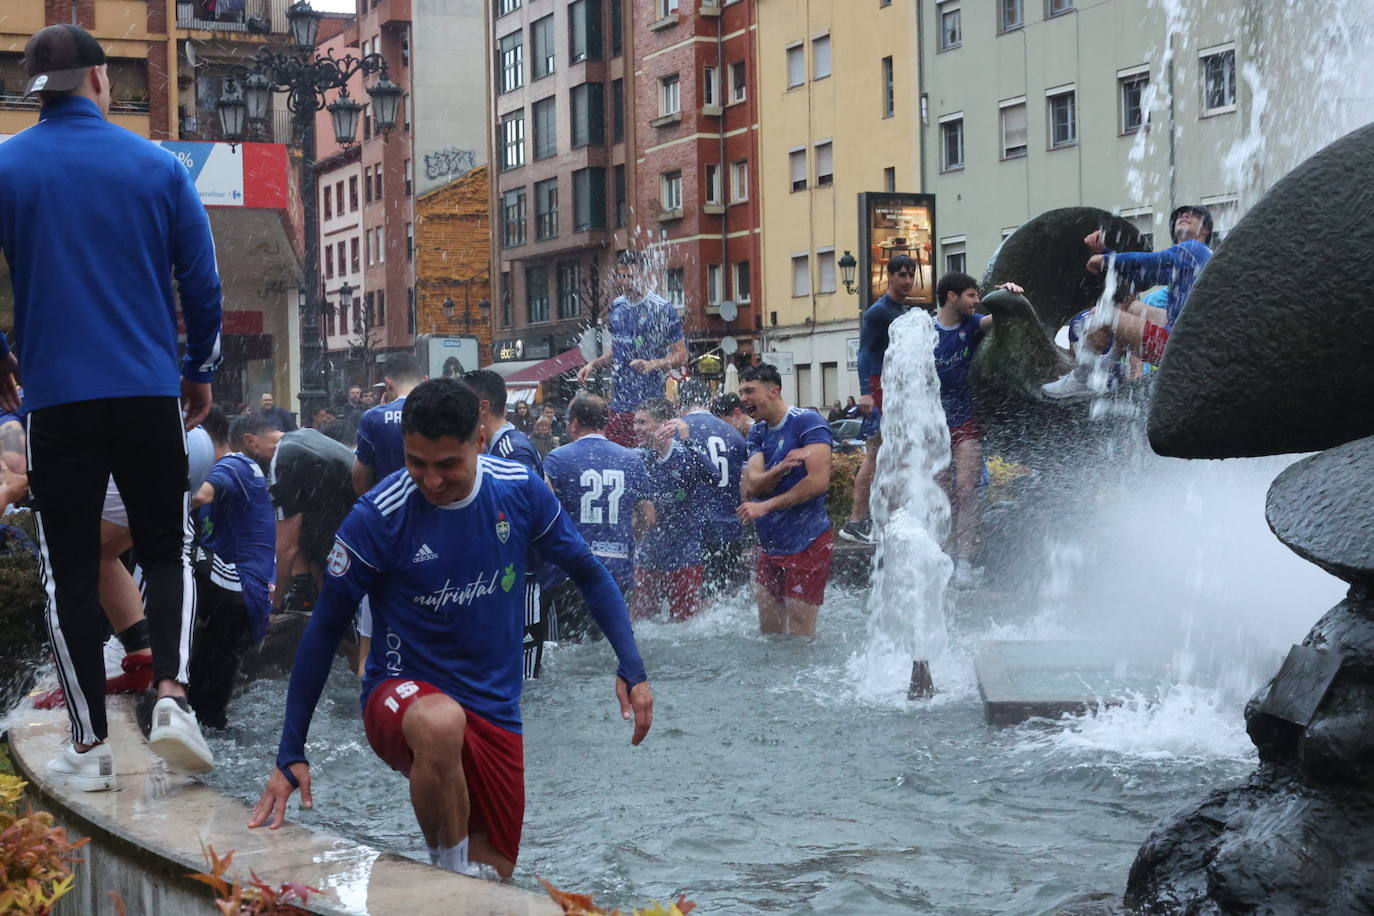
column 200, row 457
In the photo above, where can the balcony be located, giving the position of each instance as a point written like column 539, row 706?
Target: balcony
column 255, row 17
column 203, row 124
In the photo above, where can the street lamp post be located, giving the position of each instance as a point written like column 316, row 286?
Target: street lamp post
column 305, row 77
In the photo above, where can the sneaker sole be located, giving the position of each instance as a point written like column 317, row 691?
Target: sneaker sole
column 179, row 755
column 855, row 539
column 82, row 783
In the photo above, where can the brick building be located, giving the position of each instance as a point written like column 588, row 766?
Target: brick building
column 452, row 239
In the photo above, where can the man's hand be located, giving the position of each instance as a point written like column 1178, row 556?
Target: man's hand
column 641, row 365
column 866, row 404
column 1096, row 242
column 9, row 383
column 1096, row 263
column 195, row 400
column 277, row 793
column 637, row 700
column 585, row 372
column 1011, row 288
column 750, row 511
column 676, row 427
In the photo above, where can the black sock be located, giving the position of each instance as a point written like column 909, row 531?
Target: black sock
column 135, row 637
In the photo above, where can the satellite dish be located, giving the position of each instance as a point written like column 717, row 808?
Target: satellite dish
column 728, row 310
column 728, row 345
column 587, row 345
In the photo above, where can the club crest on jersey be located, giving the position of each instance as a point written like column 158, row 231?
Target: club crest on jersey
column 338, row 559
column 502, row 527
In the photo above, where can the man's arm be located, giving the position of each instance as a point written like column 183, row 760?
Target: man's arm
column 363, row 477
column 646, row 517
column 198, row 283
column 870, row 363
column 288, row 550
column 818, row 459
column 206, row 494
column 12, row 449
column 758, row 481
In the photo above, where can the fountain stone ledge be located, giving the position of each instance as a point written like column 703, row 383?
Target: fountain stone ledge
column 147, row 836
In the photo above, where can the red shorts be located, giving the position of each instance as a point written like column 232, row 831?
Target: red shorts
column 965, row 431
column 493, row 761
column 798, row 575
column 682, row 588
column 1152, row 342
column 875, row 387
column 620, row 428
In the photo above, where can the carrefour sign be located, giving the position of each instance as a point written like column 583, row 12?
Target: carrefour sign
column 245, row 175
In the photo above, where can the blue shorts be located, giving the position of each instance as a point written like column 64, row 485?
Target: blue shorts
column 872, row 424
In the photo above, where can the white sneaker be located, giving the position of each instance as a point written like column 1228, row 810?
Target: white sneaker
column 175, row 737
column 114, row 657
column 966, row 575
column 1068, row 387
column 92, row 771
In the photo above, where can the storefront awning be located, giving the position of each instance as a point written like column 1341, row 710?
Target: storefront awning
column 544, row 370
column 509, row 368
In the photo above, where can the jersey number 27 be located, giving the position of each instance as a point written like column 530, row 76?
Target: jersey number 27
column 595, row 484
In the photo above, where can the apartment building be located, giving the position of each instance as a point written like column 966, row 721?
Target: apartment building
column 840, row 114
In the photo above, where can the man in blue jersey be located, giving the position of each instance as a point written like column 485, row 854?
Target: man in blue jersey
column 236, row 571
column 873, row 341
column 505, row 441
column 1141, row 329
column 380, row 449
column 784, row 486
column 668, row 558
column 646, row 342
column 442, row 548
column 603, row 488
column 722, row 538
column 96, row 223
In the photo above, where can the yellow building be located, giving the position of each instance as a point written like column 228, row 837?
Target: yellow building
column 839, row 115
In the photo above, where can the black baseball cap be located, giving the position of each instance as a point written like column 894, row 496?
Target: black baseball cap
column 1200, row 210
column 56, row 58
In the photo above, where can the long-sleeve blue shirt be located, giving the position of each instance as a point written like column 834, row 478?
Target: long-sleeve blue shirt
column 873, row 338
column 1177, row 267
column 95, row 222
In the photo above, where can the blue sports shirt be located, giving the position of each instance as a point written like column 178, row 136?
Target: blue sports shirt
column 647, row 329
column 726, row 451
column 96, row 222
column 380, row 443
column 873, row 338
column 679, row 485
column 513, row 445
column 240, row 528
column 1177, row 266
column 953, row 355
column 447, row 591
column 599, row 482
column 790, row 530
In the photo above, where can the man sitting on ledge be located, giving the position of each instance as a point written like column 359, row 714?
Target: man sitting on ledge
column 441, row 548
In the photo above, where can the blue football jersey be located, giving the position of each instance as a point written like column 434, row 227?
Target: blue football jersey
column 240, row 528
column 679, row 485
column 725, row 449
column 598, row 483
column 380, row 444
column 513, row 445
column 953, row 356
column 790, row 530
column 647, row 329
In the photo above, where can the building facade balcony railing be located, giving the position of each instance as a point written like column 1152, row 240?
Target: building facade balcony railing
column 204, row 124
column 261, row 17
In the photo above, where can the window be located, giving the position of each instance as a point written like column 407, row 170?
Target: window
column 951, row 26
column 670, row 190
column 544, row 115
column 512, row 52
column 338, row 197
column 362, row 317
column 1223, row 209
column 710, row 86
column 371, row 246
column 569, row 302
column 381, row 244
column 546, row 209
column 665, row 7
column 589, row 199
column 410, row 310
column 513, row 140
column 502, row 6
column 796, row 65
column 584, row 30
column 408, row 107
column 618, row 111
column 715, row 278
column 825, row 164
column 737, row 82
column 676, row 289
column 537, row 291
column 617, row 28
column 825, row 265
column 410, row 241
column 513, row 218
column 889, row 91
column 955, row 258
column 620, row 206
column 741, row 281
column 1219, row 81
column 588, row 115
column 952, row 142
column 329, row 262
column 379, row 313
column 1131, row 90
column 1063, row 119
column 377, row 176
column 542, row 62
column 739, row 181
column 343, row 257
column 669, row 95
column 801, row 275
column 1012, row 14
column 1014, row 129
column 328, row 202
column 1058, row 7
column 352, row 193
column 507, row 280
column 353, row 259
column 820, row 57
column 405, row 47
column 409, row 173
column 890, row 179
column 712, row 183
column 796, row 162
column 1144, row 223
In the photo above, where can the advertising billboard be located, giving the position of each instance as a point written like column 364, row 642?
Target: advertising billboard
column 896, row 224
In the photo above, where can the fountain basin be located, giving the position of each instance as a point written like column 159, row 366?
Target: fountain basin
column 1020, row 680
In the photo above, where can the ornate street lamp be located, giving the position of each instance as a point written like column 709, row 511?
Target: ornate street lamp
column 232, row 111
column 344, row 112
column 449, row 308
column 257, row 94
column 386, row 102
column 847, row 265
column 345, row 295
column 485, row 308
column 304, row 24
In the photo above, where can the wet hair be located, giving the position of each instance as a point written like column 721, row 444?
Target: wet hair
column 341, row 431
column 589, row 411
column 630, row 257
column 901, row 262
column 216, row 424
column 955, row 283
column 442, row 407
column 488, row 386
column 403, row 367
column 252, row 424
column 694, row 393
column 659, row 408
column 725, row 405
column 763, row 372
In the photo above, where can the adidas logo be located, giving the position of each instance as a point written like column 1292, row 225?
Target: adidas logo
column 424, row 554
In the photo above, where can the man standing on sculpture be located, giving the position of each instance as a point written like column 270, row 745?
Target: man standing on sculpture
column 646, row 341
column 95, row 223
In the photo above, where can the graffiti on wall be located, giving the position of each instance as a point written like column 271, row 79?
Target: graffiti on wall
column 450, row 163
